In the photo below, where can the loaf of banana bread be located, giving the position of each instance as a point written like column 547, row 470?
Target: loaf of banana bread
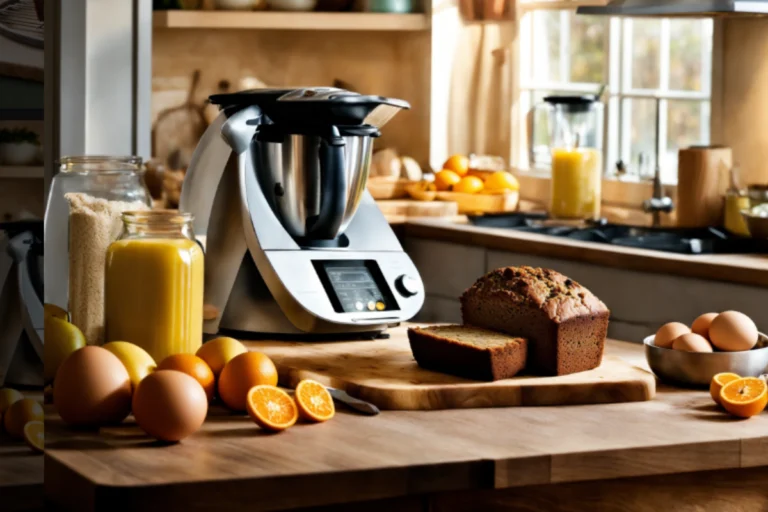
column 565, row 324
column 469, row 352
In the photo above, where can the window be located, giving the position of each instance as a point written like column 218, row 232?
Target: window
column 641, row 62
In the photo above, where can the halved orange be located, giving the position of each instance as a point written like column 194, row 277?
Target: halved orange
column 271, row 408
column 314, row 401
column 718, row 381
column 745, row 397
column 34, row 435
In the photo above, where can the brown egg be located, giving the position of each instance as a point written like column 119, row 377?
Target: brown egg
column 668, row 333
column 692, row 343
column 701, row 325
column 92, row 387
column 733, row 332
column 169, row 405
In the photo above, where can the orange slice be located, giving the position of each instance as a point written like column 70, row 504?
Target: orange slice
column 718, row 381
column 314, row 401
column 34, row 435
column 271, row 408
column 745, row 397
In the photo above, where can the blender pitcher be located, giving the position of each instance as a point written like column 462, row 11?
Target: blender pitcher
column 576, row 124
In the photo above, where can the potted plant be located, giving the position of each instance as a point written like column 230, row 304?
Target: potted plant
column 19, row 146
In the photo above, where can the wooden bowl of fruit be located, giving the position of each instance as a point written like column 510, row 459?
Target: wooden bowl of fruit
column 476, row 191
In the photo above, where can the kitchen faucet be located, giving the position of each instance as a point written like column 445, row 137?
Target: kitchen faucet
column 658, row 203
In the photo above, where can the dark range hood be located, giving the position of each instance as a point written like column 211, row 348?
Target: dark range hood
column 695, row 8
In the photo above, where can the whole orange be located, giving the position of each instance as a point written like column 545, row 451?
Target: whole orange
column 194, row 367
column 19, row 414
column 469, row 185
column 445, row 180
column 241, row 374
column 502, row 181
column 458, row 164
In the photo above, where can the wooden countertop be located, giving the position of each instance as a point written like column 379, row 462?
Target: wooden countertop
column 21, row 476
column 231, row 463
column 21, row 472
column 734, row 268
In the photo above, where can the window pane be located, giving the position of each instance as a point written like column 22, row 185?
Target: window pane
column 639, row 119
column 546, row 46
column 646, row 40
column 690, row 46
column 687, row 125
column 587, row 48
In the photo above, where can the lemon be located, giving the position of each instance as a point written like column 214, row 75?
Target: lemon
column 135, row 359
column 501, row 181
column 21, row 413
column 469, row 185
column 52, row 310
column 217, row 353
column 61, row 339
column 7, row 397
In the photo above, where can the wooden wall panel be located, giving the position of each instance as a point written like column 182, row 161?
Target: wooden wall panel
column 744, row 96
column 386, row 63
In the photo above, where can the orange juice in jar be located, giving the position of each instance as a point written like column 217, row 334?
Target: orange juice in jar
column 576, row 124
column 154, row 284
column 576, row 183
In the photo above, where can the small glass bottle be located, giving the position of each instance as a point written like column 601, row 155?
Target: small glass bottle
column 154, row 284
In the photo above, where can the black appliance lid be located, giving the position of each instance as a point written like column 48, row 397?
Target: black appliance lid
column 276, row 133
column 573, row 103
column 319, row 105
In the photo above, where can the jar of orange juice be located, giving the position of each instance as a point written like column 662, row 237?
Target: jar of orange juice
column 577, row 156
column 154, row 284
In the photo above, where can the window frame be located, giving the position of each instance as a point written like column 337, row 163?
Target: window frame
column 618, row 55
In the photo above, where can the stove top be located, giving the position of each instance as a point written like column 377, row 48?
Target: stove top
column 676, row 240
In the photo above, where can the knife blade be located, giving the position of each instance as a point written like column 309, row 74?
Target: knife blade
column 359, row 405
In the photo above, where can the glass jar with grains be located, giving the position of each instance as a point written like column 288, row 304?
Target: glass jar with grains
column 82, row 217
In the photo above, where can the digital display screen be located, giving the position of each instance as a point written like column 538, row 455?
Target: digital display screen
column 355, row 286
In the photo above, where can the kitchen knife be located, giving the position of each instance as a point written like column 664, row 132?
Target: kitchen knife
column 358, row 405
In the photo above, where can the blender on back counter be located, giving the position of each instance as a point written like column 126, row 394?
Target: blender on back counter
column 294, row 243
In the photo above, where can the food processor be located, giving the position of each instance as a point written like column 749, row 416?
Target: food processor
column 21, row 303
column 294, row 244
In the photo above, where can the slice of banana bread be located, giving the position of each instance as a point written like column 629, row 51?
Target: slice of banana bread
column 467, row 351
column 565, row 324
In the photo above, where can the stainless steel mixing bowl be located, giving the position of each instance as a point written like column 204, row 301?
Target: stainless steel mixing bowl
column 291, row 178
column 696, row 369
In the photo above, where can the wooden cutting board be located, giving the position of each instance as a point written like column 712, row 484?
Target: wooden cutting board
column 384, row 373
column 412, row 208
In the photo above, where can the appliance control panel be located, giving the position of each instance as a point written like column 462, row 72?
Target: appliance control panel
column 349, row 288
column 355, row 286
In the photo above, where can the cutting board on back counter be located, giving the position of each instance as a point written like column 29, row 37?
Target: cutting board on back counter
column 384, row 373
column 409, row 208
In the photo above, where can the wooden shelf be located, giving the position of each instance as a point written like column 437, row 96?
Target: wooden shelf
column 560, row 4
column 364, row 21
column 21, row 172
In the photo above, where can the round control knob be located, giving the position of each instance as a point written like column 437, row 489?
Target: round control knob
column 407, row 285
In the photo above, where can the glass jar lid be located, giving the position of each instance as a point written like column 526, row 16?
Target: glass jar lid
column 101, row 164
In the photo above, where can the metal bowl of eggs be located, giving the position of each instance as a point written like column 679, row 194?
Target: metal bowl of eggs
column 757, row 220
column 691, row 356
